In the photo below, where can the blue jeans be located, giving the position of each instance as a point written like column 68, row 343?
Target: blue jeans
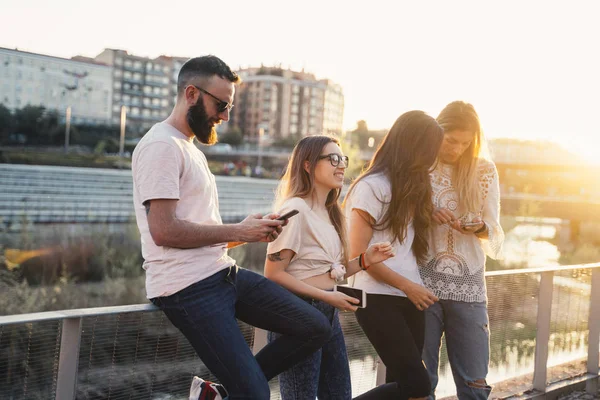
column 466, row 327
column 324, row 374
column 206, row 313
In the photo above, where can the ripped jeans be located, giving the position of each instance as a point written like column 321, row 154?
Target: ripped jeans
column 466, row 328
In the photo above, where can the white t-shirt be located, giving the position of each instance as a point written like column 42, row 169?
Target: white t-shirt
column 372, row 194
column 167, row 165
column 315, row 241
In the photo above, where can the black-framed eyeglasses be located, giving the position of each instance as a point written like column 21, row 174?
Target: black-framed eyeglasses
column 335, row 159
column 222, row 106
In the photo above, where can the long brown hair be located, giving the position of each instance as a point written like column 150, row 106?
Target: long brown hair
column 405, row 157
column 297, row 182
column 462, row 116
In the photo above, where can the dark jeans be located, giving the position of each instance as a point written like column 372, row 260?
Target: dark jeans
column 206, row 313
column 324, row 374
column 396, row 329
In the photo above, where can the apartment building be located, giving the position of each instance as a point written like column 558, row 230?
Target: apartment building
column 56, row 83
column 143, row 85
column 285, row 103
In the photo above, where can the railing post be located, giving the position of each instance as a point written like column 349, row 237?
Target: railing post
column 543, row 331
column 69, row 359
column 594, row 332
column 260, row 340
column 381, row 371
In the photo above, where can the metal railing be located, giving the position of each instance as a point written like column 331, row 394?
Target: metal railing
column 68, row 340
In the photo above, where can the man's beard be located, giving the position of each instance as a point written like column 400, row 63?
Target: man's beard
column 200, row 124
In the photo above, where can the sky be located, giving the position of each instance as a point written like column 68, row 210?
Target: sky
column 531, row 68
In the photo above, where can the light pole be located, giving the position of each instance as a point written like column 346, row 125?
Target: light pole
column 67, row 128
column 122, row 138
column 261, row 133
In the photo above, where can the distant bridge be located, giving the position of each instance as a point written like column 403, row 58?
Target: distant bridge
column 574, row 208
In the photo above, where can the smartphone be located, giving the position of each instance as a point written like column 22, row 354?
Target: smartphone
column 288, row 215
column 353, row 292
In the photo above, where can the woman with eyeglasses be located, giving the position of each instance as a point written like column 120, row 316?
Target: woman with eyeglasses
column 310, row 256
column 391, row 201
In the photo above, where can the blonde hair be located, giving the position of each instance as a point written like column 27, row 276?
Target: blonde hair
column 297, row 182
column 459, row 115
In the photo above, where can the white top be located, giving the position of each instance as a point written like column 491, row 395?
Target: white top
column 373, row 194
column 167, row 165
column 456, row 261
column 315, row 241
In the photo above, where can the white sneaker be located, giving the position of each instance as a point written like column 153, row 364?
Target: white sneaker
column 205, row 390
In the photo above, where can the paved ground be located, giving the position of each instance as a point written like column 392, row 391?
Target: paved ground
column 580, row 396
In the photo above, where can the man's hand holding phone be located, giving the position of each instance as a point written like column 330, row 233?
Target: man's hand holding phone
column 256, row 228
column 279, row 217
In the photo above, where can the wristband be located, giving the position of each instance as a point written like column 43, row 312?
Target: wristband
column 482, row 229
column 361, row 262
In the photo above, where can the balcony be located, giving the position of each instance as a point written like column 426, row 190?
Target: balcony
column 156, row 84
column 132, row 80
column 133, row 92
column 154, row 95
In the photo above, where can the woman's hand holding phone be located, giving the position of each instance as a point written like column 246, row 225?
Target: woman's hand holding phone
column 341, row 301
column 470, row 227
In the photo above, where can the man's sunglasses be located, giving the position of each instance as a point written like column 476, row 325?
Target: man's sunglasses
column 222, row 106
column 335, row 159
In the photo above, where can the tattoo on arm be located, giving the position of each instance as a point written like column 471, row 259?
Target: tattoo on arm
column 147, row 205
column 275, row 256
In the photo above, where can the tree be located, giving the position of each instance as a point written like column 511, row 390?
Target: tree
column 233, row 137
column 286, row 142
column 27, row 119
column 356, row 163
column 49, row 131
column 37, row 124
column 360, row 136
column 6, row 123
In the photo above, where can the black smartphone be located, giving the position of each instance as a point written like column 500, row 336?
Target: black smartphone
column 353, row 292
column 288, row 215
